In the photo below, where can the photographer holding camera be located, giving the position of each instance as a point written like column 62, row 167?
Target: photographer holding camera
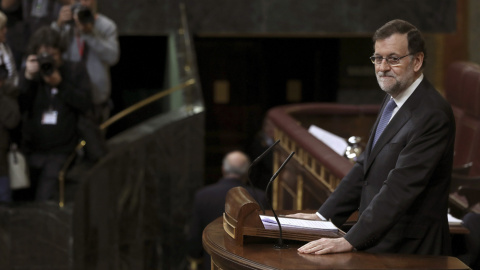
column 53, row 94
column 92, row 39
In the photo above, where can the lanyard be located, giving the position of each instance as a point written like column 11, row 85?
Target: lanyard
column 51, row 93
column 80, row 46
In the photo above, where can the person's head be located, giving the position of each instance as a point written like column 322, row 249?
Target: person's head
column 3, row 27
column 91, row 4
column 235, row 164
column 47, row 41
column 399, row 56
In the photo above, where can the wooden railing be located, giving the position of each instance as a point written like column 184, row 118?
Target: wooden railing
column 316, row 169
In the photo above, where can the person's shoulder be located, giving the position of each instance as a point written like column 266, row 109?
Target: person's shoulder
column 206, row 190
column 427, row 98
column 430, row 107
column 103, row 19
column 221, row 186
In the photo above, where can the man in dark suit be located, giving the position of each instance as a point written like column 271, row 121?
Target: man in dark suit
column 209, row 202
column 400, row 183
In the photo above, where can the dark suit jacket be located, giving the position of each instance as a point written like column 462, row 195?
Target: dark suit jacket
column 400, row 186
column 208, row 205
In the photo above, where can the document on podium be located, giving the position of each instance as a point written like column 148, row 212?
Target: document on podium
column 336, row 143
column 269, row 222
column 451, row 220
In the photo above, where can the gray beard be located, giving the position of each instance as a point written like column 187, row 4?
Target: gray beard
column 392, row 89
column 397, row 87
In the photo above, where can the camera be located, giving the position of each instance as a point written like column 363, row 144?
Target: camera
column 84, row 14
column 46, row 64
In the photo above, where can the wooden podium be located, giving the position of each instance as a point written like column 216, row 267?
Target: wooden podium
column 261, row 254
column 242, row 219
column 224, row 240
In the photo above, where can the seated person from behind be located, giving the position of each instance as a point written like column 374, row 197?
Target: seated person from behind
column 209, row 202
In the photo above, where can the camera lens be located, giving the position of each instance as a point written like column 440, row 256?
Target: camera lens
column 46, row 63
column 47, row 69
column 84, row 14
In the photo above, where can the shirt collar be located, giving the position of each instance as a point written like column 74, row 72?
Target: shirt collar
column 403, row 96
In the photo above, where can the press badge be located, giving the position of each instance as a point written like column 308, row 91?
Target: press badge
column 49, row 118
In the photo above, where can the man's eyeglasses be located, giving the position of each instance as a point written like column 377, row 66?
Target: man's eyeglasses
column 391, row 60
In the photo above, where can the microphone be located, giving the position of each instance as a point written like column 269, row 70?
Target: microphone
column 280, row 244
column 264, row 154
column 258, row 159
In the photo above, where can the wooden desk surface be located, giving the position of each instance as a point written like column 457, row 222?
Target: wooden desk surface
column 258, row 253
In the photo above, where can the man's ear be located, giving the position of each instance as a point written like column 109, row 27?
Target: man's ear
column 418, row 58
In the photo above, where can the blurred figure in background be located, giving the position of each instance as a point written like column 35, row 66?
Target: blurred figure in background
column 9, row 119
column 471, row 221
column 6, row 56
column 92, row 40
column 53, row 93
column 209, row 202
column 9, row 112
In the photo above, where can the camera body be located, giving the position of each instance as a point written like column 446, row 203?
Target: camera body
column 46, row 63
column 85, row 15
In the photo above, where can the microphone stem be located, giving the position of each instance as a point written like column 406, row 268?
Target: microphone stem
column 280, row 240
column 250, row 173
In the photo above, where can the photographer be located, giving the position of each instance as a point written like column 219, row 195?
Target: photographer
column 92, row 39
column 53, row 93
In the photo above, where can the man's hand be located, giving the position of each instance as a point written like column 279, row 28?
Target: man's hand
column 53, row 79
column 326, row 245
column 311, row 216
column 31, row 67
column 65, row 15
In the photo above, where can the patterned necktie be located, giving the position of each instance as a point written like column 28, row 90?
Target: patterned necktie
column 386, row 115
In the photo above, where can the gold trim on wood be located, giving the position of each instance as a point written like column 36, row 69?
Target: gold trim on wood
column 144, row 103
column 299, row 192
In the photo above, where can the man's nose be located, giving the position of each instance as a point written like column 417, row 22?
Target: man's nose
column 384, row 65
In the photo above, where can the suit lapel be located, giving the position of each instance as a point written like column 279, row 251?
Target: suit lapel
column 397, row 122
column 368, row 147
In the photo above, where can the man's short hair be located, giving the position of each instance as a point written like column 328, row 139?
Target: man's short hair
column 416, row 43
column 47, row 37
column 232, row 169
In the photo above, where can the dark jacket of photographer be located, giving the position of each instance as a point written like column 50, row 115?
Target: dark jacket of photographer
column 72, row 99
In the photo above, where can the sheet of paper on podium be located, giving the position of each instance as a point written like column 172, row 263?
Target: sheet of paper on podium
column 452, row 220
column 270, row 223
column 336, row 143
